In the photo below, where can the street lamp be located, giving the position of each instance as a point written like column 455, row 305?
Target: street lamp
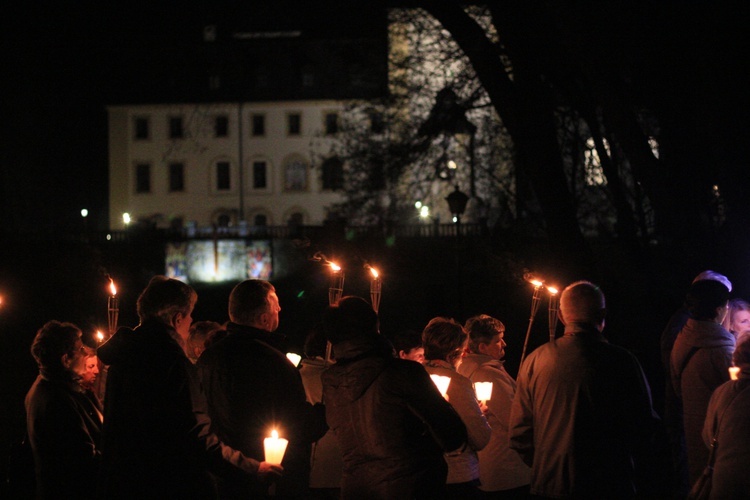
column 457, row 201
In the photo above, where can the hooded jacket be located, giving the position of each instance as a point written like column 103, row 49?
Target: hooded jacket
column 500, row 468
column 391, row 422
column 157, row 442
column 700, row 362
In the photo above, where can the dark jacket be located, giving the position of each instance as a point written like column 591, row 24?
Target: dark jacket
column 65, row 435
column 582, row 417
column 391, row 422
column 252, row 388
column 157, row 442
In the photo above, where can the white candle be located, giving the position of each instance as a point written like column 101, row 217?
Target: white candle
column 274, row 447
column 734, row 372
column 441, row 382
column 483, row 390
column 294, row 358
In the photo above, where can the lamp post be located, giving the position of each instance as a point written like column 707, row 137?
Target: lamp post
column 457, row 204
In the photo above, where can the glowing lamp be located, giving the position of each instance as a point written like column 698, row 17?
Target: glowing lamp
column 441, row 382
column 483, row 391
column 294, row 358
column 734, row 372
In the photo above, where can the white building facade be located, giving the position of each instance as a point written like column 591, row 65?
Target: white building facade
column 223, row 164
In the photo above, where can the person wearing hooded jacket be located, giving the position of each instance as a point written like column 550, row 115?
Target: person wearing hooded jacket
column 700, row 362
column 390, row 420
column 156, row 440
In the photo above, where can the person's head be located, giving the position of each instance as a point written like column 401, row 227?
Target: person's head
column 168, row 301
column 353, row 318
column 444, row 339
column 255, row 303
column 315, row 343
column 199, row 332
column 408, row 345
column 486, row 336
column 583, row 302
column 707, row 300
column 741, row 356
column 714, row 276
column 57, row 348
column 737, row 319
column 89, row 368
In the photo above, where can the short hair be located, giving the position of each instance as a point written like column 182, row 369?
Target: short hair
column 582, row 301
column 163, row 298
column 248, row 300
column 735, row 305
column 443, row 338
column 713, row 275
column 199, row 331
column 741, row 356
column 406, row 340
column 52, row 341
column 352, row 318
column 481, row 330
column 704, row 297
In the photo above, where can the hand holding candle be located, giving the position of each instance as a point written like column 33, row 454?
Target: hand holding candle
column 274, row 448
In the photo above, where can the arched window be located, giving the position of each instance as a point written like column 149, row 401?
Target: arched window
column 295, row 175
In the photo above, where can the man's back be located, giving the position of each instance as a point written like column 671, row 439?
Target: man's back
column 582, row 410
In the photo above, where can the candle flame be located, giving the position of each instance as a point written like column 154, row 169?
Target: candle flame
column 336, row 268
column 274, row 434
column 374, row 272
column 112, row 287
column 99, row 336
column 552, row 290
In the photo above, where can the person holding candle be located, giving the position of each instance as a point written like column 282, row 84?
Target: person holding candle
column 582, row 416
column 391, row 422
column 157, row 441
column 444, row 342
column 502, row 473
column 65, row 438
column 253, row 389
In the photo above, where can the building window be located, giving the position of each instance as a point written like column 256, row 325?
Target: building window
column 175, row 128
column 295, row 176
column 294, row 124
column 259, row 175
column 259, row 125
column 332, row 123
column 223, row 182
column 141, row 128
column 176, row 177
column 221, row 126
column 333, row 174
column 143, row 178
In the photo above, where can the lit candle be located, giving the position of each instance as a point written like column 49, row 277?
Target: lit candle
column 442, row 383
column 99, row 337
column 734, row 372
column 483, row 390
column 113, row 309
column 274, row 448
column 294, row 358
column 376, row 286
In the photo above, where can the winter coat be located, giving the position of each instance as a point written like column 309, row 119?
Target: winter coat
column 65, row 435
column 326, row 462
column 700, row 362
column 729, row 415
column 582, row 416
column 391, row 422
column 463, row 464
column 157, row 442
column 500, row 468
column 252, row 389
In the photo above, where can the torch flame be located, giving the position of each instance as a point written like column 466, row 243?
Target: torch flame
column 112, row 287
column 536, row 283
column 374, row 272
column 335, row 267
column 99, row 336
column 552, row 290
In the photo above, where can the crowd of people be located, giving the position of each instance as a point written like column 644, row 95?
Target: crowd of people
column 188, row 405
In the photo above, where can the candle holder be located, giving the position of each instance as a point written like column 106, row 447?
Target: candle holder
column 483, row 391
column 337, row 285
column 376, row 288
column 535, row 300
column 554, row 308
